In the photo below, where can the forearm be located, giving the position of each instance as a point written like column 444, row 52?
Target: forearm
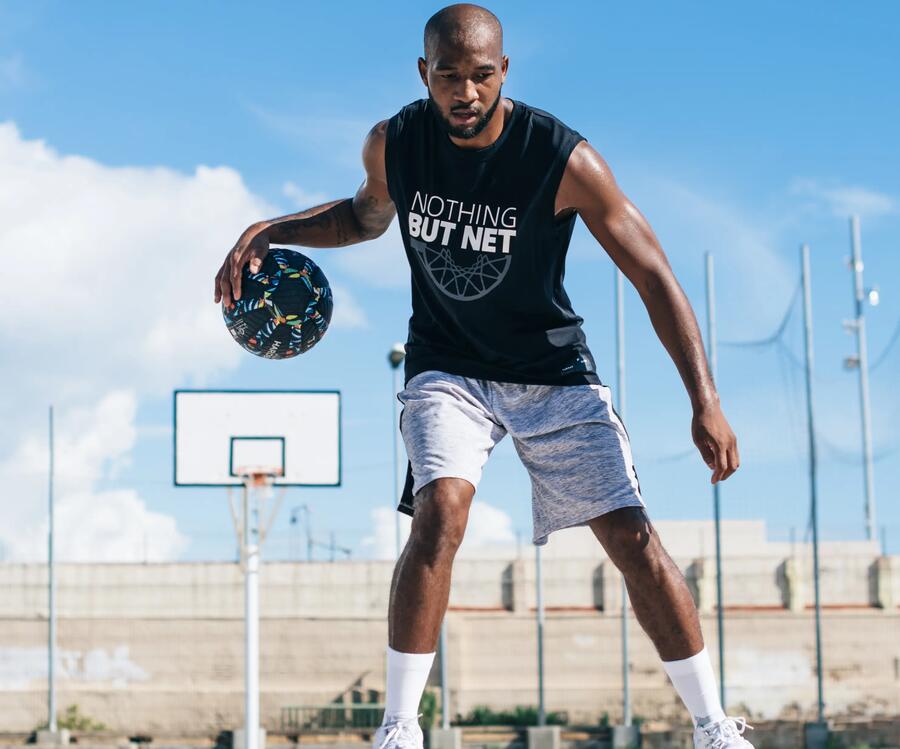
column 332, row 224
column 673, row 319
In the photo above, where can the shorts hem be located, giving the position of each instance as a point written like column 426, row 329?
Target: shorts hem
column 448, row 473
column 633, row 501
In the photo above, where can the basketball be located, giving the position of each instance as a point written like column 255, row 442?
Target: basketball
column 284, row 309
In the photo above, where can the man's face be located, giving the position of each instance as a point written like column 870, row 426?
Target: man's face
column 464, row 83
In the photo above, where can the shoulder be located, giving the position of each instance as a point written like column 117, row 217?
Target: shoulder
column 406, row 116
column 587, row 180
column 373, row 152
column 543, row 122
column 381, row 132
column 586, row 165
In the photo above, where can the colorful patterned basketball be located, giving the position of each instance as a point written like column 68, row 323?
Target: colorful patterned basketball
column 284, row 309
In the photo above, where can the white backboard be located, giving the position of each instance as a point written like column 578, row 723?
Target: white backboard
column 217, row 432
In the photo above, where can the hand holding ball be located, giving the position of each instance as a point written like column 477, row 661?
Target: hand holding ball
column 285, row 307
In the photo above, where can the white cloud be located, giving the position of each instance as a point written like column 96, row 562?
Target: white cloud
column 381, row 544
column 488, row 526
column 108, row 277
column 346, row 313
column 92, row 524
column 844, row 200
column 489, row 532
column 123, row 261
column 301, row 198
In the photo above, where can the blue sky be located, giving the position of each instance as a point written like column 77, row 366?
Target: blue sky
column 139, row 140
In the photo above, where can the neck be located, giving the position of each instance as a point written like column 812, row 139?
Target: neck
column 492, row 131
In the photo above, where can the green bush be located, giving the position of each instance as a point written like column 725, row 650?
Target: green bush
column 428, row 708
column 73, row 720
column 521, row 715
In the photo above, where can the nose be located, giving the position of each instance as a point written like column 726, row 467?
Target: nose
column 468, row 93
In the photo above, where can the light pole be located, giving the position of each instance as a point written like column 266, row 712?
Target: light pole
column 395, row 358
column 717, row 504
column 539, row 582
column 620, row 387
column 813, row 472
column 860, row 361
column 51, row 569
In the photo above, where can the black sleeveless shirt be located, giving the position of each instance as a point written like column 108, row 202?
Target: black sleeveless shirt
column 486, row 254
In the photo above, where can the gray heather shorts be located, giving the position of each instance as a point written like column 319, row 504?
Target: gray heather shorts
column 569, row 438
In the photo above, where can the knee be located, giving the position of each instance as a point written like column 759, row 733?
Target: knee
column 440, row 517
column 629, row 539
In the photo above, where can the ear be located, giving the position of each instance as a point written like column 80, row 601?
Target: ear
column 423, row 71
column 504, row 66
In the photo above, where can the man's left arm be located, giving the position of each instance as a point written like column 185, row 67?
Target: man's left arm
column 589, row 188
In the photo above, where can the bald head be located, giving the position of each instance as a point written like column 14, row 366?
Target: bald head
column 462, row 25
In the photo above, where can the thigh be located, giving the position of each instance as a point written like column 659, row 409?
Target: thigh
column 577, row 453
column 448, row 429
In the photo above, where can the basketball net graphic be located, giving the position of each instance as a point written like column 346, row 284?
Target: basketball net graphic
column 463, row 282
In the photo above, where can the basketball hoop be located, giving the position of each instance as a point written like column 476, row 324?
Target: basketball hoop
column 258, row 475
column 250, row 442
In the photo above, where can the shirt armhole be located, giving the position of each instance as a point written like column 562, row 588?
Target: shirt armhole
column 389, row 157
column 558, row 169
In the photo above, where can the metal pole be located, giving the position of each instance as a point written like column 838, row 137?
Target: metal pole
column 51, row 571
column 251, row 629
column 814, row 516
column 717, row 507
column 863, row 360
column 445, row 692
column 620, row 397
column 394, row 430
column 542, row 718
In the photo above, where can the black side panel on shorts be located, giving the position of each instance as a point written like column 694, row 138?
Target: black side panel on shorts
column 406, row 499
column 486, row 255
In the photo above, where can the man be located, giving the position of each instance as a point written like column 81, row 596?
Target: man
column 487, row 190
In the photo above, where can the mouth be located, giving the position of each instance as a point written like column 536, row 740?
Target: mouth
column 463, row 116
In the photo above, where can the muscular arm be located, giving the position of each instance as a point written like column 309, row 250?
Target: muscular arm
column 348, row 221
column 589, row 188
column 335, row 224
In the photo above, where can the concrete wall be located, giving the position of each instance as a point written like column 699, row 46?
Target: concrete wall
column 159, row 647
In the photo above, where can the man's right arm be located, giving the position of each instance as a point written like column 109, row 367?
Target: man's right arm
column 338, row 223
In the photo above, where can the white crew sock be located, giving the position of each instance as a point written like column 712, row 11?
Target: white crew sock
column 406, row 677
column 695, row 683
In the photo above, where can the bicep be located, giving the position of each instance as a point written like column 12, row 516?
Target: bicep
column 589, row 187
column 372, row 203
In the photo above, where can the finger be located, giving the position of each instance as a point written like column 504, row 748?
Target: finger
column 225, row 289
column 733, row 461
column 722, row 463
column 237, row 269
column 718, row 462
column 255, row 262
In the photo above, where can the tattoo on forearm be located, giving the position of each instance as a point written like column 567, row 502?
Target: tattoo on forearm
column 373, row 216
column 334, row 224
column 322, row 226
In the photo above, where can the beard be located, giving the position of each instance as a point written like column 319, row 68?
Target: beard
column 459, row 131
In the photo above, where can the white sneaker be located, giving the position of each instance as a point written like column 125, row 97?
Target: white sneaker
column 399, row 733
column 726, row 734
